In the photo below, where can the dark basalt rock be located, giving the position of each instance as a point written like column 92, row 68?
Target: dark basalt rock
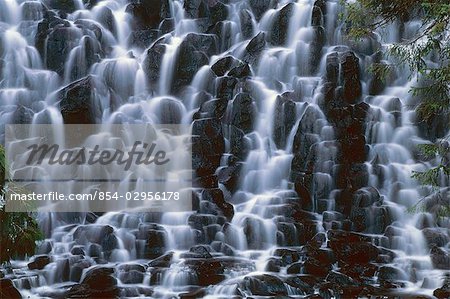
column 315, row 267
column 208, row 270
column 436, row 236
column 216, row 197
column 350, row 73
column 78, row 103
column 212, row 109
column 223, row 65
column 444, row 291
column 259, row 7
column 131, row 273
column 76, row 269
column 339, row 279
column 191, row 57
column 100, row 282
column 32, row 11
column 240, row 144
column 287, row 256
column 144, row 39
column 39, row 262
column 167, row 25
column 440, row 258
column 22, row 115
column 316, row 46
column 206, row 43
column 152, row 64
column 147, row 14
column 354, row 252
column 155, row 243
column 90, row 3
column 247, row 27
column 7, row 289
column 208, row 145
column 92, row 233
column 91, row 55
column 317, row 15
column 225, row 87
column 240, row 71
column 254, row 48
column 162, row 261
column 67, row 6
column 280, row 29
column 211, row 12
column 284, row 120
column 303, row 282
column 390, row 274
column 243, row 112
column 264, row 285
column 61, row 40
column 106, row 18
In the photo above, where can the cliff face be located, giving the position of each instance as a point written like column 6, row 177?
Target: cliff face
column 302, row 157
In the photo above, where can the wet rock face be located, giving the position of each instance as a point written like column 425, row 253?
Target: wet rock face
column 280, row 29
column 208, row 146
column 77, row 101
column 259, row 7
column 7, row 289
column 148, row 14
column 192, row 54
column 243, row 112
column 264, row 285
column 284, row 120
column 67, row 6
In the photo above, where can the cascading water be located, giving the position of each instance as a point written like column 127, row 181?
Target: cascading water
column 305, row 184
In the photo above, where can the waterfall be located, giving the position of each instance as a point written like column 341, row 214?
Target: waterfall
column 306, row 183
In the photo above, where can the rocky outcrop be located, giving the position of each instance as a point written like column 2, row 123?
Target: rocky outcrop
column 8, row 290
column 280, row 29
column 192, row 54
column 78, row 101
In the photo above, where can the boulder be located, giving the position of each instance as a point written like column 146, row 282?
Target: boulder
column 77, row 101
column 216, row 197
column 223, row 65
column 264, row 285
column 390, row 274
column 254, row 48
column 350, row 72
column 39, row 262
column 208, row 145
column 152, row 64
column 67, row 6
column 259, row 7
column 163, row 261
column 243, row 112
column 147, row 14
column 440, row 258
column 60, row 41
column 100, row 282
column 8, row 290
column 131, row 273
column 435, row 236
column 284, row 120
column 191, row 57
column 280, row 29
column 32, row 11
column 247, row 27
column 208, row 270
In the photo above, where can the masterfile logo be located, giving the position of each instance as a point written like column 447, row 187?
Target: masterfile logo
column 98, row 168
